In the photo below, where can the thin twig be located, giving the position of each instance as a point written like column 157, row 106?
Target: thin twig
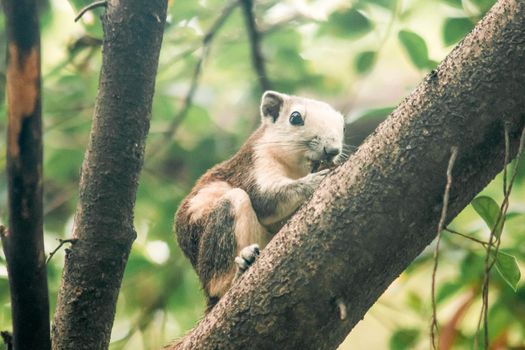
column 254, row 37
column 441, row 224
column 62, row 242
column 197, row 72
column 188, row 99
column 466, row 236
column 489, row 260
column 507, row 153
column 7, row 338
column 101, row 3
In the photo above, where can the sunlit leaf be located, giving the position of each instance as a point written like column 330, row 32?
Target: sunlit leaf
column 455, row 29
column 488, row 209
column 365, row 61
column 508, row 268
column 383, row 3
column 348, row 23
column 404, row 339
column 415, row 47
column 185, row 10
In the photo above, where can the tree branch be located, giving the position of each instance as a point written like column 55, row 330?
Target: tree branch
column 206, row 43
column 255, row 45
column 94, row 265
column 376, row 213
column 60, row 244
column 101, row 3
column 24, row 242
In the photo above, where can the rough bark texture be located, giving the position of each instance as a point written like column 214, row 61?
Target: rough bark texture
column 378, row 211
column 23, row 242
column 95, row 264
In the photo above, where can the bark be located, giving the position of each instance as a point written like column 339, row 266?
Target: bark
column 378, row 211
column 23, row 243
column 95, row 264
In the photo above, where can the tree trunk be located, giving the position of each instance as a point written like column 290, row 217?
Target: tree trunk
column 378, row 211
column 23, row 242
column 95, row 264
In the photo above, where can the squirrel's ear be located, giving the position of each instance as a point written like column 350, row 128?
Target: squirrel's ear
column 271, row 105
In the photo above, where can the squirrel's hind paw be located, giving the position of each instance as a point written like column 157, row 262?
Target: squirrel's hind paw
column 246, row 258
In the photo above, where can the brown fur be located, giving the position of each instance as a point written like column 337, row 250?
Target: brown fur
column 246, row 199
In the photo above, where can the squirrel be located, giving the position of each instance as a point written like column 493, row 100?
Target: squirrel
column 238, row 205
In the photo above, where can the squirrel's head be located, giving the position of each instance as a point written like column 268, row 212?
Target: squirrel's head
column 302, row 132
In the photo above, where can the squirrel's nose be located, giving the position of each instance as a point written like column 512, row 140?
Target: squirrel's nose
column 331, row 152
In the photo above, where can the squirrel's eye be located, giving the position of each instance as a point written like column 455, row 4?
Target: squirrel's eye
column 296, row 118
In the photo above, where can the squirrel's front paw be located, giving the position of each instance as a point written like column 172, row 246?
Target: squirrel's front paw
column 312, row 181
column 246, row 258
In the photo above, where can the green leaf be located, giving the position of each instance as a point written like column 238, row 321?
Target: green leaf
column 471, row 268
column 404, row 339
column 454, row 3
column 513, row 215
column 488, row 209
column 484, row 5
column 432, row 64
column 347, row 23
column 447, row 290
column 455, row 29
column 508, row 268
column 365, row 61
column 414, row 301
column 415, row 47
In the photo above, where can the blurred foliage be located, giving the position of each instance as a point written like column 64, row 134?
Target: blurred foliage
column 362, row 56
column 416, row 48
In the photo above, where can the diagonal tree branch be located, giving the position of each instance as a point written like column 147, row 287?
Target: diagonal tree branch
column 255, row 45
column 103, row 229
column 23, row 243
column 378, row 211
